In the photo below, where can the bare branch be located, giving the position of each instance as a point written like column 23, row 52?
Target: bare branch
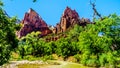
column 95, row 10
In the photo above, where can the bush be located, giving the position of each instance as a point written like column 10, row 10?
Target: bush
column 77, row 57
column 32, row 45
column 66, row 48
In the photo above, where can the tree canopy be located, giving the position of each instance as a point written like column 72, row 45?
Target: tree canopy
column 8, row 39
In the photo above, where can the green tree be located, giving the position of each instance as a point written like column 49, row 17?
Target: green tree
column 66, row 47
column 8, row 39
column 32, row 44
column 99, row 39
column 28, row 45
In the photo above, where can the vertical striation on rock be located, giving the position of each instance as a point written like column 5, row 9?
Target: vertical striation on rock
column 33, row 22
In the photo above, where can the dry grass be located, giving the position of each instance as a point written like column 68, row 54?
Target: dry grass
column 71, row 59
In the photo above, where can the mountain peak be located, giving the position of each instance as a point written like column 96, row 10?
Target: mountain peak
column 71, row 13
column 33, row 22
column 69, row 18
column 32, row 10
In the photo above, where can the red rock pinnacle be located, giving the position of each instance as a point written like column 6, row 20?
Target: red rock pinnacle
column 33, row 22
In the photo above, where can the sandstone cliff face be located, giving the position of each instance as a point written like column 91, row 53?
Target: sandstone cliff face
column 69, row 18
column 33, row 22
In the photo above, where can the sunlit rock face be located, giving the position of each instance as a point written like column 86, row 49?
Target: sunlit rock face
column 69, row 18
column 33, row 22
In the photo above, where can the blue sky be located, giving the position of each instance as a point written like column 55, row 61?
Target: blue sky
column 51, row 10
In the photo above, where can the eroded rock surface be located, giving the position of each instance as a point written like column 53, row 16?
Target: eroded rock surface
column 33, row 22
column 69, row 18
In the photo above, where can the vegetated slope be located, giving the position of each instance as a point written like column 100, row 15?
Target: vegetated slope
column 83, row 41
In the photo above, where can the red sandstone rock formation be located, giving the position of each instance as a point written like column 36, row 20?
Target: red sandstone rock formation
column 33, row 22
column 69, row 18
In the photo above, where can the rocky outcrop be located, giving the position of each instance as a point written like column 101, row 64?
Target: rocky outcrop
column 33, row 22
column 69, row 18
column 84, row 21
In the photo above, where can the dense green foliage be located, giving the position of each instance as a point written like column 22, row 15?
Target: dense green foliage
column 8, row 39
column 94, row 45
column 33, row 45
column 99, row 43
